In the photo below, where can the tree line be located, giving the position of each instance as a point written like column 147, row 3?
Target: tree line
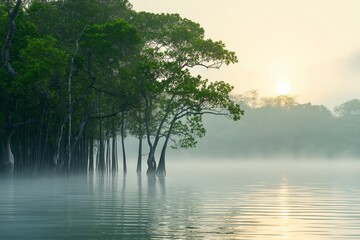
column 79, row 76
column 281, row 127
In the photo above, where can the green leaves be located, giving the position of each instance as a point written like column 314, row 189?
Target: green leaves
column 41, row 60
column 182, row 41
column 113, row 38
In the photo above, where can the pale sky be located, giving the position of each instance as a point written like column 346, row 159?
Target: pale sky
column 314, row 45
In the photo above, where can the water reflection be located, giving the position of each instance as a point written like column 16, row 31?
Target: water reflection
column 239, row 206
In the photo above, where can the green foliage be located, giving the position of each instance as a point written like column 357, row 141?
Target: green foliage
column 103, row 55
column 38, row 69
column 111, row 40
column 181, row 41
column 187, row 132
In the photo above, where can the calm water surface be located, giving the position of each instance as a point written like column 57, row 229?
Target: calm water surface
column 222, row 200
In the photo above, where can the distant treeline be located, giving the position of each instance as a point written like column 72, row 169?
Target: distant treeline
column 76, row 75
column 280, row 126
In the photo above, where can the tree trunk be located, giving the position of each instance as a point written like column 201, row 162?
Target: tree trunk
column 91, row 150
column 101, row 144
column 161, row 170
column 58, row 144
column 46, row 141
column 138, row 167
column 114, row 148
column 151, row 158
column 107, row 147
column 123, row 143
column 7, row 164
column 151, row 162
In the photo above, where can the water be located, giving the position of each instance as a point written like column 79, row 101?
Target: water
column 222, row 200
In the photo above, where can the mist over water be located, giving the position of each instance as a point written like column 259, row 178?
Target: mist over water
column 197, row 200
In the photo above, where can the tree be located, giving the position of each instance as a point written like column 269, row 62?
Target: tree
column 349, row 108
column 175, row 45
column 7, row 158
column 34, row 97
column 110, row 49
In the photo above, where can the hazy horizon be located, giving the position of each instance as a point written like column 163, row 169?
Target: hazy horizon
column 314, row 46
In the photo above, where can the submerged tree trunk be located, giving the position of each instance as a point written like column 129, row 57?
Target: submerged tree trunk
column 151, row 157
column 123, row 143
column 91, row 149
column 161, row 170
column 101, row 160
column 114, row 148
column 58, row 144
column 138, row 167
column 151, row 162
column 7, row 163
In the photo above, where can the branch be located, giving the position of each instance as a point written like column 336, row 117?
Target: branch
column 107, row 116
column 83, row 123
column 5, row 51
column 103, row 91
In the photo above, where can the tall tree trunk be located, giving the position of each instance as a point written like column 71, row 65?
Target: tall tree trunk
column 123, row 142
column 91, row 149
column 151, row 157
column 138, row 167
column 38, row 151
column 5, row 51
column 7, row 164
column 70, row 103
column 101, row 144
column 151, row 162
column 44, row 152
column 108, row 145
column 58, row 144
column 114, row 148
column 161, row 170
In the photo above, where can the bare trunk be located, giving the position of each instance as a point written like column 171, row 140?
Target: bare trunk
column 46, row 141
column 114, row 148
column 58, row 144
column 101, row 144
column 107, row 147
column 123, row 143
column 138, row 167
column 5, row 51
column 151, row 162
column 7, row 164
column 151, row 158
column 91, row 150
column 161, row 170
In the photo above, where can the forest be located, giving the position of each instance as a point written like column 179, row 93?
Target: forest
column 283, row 128
column 80, row 76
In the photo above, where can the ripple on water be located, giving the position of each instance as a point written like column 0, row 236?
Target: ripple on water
column 96, row 208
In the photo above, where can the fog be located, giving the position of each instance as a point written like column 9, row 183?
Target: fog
column 198, row 200
column 298, row 131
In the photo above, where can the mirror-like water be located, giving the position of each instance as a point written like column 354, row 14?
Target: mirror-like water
column 221, row 201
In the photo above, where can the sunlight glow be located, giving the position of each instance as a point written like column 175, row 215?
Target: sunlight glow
column 283, row 88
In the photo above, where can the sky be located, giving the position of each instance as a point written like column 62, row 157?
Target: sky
column 314, row 46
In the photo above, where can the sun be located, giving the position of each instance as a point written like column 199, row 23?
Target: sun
column 283, row 88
